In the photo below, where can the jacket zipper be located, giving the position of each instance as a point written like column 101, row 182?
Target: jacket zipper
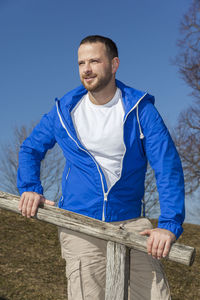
column 103, row 188
column 106, row 194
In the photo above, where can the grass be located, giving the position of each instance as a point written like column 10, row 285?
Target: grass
column 31, row 266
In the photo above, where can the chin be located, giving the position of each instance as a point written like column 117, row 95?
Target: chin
column 90, row 87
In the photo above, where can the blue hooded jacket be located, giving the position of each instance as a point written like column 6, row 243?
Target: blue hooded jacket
column 84, row 188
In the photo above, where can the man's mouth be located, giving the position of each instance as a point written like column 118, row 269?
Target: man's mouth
column 89, row 78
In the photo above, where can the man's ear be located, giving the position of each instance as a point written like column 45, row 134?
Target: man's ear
column 115, row 64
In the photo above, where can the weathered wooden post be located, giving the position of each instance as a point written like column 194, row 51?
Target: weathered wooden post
column 117, row 272
column 119, row 242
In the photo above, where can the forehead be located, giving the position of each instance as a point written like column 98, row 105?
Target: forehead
column 88, row 50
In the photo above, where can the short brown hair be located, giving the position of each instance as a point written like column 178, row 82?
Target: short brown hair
column 110, row 45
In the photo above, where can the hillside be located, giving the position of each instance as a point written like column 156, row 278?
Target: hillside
column 31, row 266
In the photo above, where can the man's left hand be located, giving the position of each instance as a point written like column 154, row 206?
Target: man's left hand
column 159, row 242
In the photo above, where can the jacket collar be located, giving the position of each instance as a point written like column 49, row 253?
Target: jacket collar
column 130, row 97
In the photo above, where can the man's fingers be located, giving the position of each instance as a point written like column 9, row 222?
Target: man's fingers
column 149, row 241
column 160, row 249
column 24, row 206
column 154, row 247
column 36, row 202
column 49, row 202
column 21, row 201
column 146, row 232
column 29, row 206
column 167, row 248
column 158, row 242
column 29, row 202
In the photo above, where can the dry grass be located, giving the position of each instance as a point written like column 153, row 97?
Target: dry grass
column 30, row 262
column 31, row 266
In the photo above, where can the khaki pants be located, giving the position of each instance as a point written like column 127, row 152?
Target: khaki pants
column 86, row 267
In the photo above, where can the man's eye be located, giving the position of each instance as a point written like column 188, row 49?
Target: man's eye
column 81, row 63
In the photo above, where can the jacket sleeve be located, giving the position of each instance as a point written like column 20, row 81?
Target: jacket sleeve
column 31, row 153
column 164, row 160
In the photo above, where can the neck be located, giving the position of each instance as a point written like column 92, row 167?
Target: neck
column 104, row 96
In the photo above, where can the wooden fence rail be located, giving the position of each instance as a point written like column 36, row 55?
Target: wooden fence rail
column 119, row 241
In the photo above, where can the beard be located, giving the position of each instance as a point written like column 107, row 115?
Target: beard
column 98, row 84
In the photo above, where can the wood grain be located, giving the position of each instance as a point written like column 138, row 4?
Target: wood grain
column 106, row 231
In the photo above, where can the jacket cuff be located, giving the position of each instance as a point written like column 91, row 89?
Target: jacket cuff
column 175, row 228
column 36, row 189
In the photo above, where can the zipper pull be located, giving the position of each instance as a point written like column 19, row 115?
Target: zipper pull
column 105, row 196
column 104, row 200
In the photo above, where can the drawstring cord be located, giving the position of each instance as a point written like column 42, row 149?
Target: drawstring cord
column 141, row 133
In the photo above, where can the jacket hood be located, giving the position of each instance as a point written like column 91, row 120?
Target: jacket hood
column 130, row 96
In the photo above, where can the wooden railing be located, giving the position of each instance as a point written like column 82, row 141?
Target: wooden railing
column 119, row 242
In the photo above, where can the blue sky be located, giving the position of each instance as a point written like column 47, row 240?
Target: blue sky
column 38, row 52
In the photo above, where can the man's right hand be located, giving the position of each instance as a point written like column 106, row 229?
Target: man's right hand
column 29, row 202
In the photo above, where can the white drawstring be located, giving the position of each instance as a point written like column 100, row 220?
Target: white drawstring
column 141, row 133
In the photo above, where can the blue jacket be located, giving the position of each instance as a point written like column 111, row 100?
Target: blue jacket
column 84, row 188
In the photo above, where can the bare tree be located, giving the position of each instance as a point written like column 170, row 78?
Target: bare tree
column 188, row 58
column 51, row 166
column 187, row 131
column 187, row 139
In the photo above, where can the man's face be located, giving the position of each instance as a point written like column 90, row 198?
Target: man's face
column 95, row 66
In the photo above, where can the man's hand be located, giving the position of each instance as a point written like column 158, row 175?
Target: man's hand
column 29, row 202
column 159, row 241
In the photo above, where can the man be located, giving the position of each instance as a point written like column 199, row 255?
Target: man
column 107, row 131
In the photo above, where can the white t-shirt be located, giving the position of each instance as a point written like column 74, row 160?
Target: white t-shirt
column 100, row 130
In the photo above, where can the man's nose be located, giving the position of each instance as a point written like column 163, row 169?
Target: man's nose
column 87, row 68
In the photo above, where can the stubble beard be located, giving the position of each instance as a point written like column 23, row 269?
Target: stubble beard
column 99, row 85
